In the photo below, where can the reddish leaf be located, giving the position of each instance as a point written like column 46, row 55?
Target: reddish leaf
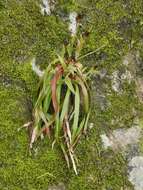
column 46, row 131
column 58, row 74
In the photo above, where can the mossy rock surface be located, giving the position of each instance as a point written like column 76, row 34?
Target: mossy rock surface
column 26, row 33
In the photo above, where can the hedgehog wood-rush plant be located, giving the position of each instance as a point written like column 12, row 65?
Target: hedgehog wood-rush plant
column 62, row 108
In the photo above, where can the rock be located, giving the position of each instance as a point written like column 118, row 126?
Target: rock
column 129, row 59
column 127, row 76
column 133, row 151
column 73, row 23
column 118, row 78
column 106, row 141
column 136, row 161
column 102, row 73
column 99, row 93
column 136, row 173
column 45, row 7
column 139, row 89
column 116, row 81
column 120, row 138
column 60, row 186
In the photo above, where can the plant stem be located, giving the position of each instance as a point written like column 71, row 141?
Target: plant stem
column 90, row 53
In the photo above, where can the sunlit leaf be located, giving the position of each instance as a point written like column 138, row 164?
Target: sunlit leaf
column 69, row 84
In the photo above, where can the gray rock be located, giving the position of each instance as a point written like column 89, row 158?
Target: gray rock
column 129, row 59
column 139, row 89
column 136, row 161
column 116, row 83
column 102, row 73
column 118, row 78
column 120, row 138
column 60, row 186
column 132, row 151
column 136, row 173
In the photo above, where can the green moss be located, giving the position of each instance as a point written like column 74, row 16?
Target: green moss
column 18, row 169
column 25, row 33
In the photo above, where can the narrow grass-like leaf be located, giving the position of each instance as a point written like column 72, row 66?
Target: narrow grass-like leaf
column 79, row 46
column 47, row 100
column 62, row 61
column 69, row 84
column 79, row 131
column 76, row 112
column 65, row 105
column 56, row 77
column 57, row 120
column 86, row 122
column 43, row 117
column 40, row 98
column 90, row 53
column 85, row 94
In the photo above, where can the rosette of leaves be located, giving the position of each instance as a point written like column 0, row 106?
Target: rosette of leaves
column 62, row 107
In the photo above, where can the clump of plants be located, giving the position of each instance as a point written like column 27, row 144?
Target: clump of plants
column 62, row 108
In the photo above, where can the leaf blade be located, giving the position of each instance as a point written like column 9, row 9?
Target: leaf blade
column 76, row 112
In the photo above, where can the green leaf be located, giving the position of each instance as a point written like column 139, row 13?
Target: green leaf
column 57, row 120
column 69, row 84
column 80, row 128
column 79, row 131
column 85, row 94
column 90, row 53
column 79, row 46
column 86, row 122
column 40, row 98
column 44, row 88
column 63, row 51
column 47, row 80
column 69, row 50
column 59, row 90
column 47, row 100
column 43, row 117
column 76, row 112
column 65, row 105
column 62, row 61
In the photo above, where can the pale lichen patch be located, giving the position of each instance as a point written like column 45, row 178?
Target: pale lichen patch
column 121, row 138
column 139, row 89
column 45, row 7
column 115, row 81
column 73, row 23
column 36, row 68
column 136, row 173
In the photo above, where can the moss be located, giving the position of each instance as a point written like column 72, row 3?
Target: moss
column 18, row 169
column 25, row 33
